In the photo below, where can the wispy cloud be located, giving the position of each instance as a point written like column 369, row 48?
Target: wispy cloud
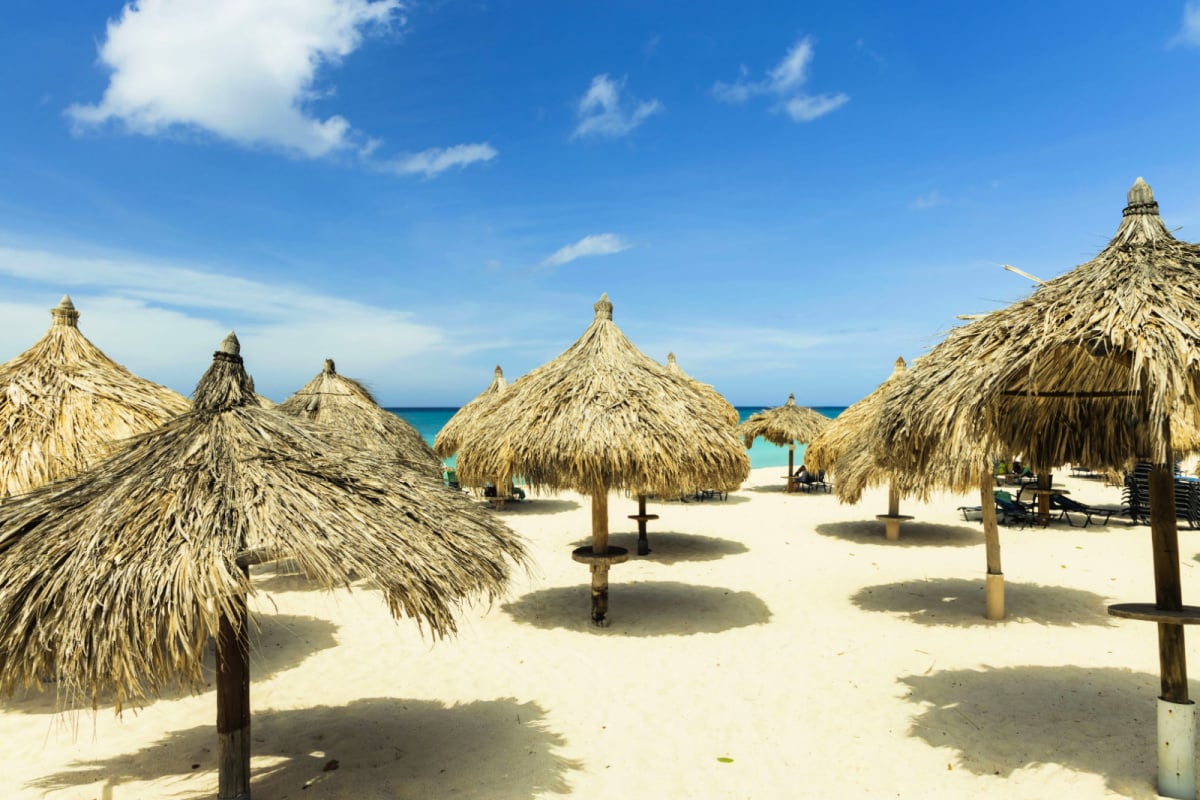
column 247, row 73
column 164, row 320
column 431, row 162
column 1189, row 32
column 927, row 200
column 602, row 113
column 784, row 81
column 598, row 244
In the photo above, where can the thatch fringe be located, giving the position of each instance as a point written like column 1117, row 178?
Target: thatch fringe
column 349, row 409
column 1086, row 370
column 602, row 416
column 784, row 425
column 445, row 444
column 115, row 579
column 63, row 403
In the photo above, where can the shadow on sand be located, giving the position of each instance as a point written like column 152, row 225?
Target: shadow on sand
column 280, row 642
column 961, row 603
column 1097, row 720
column 669, row 547
column 912, row 534
column 399, row 748
column 642, row 608
column 538, row 505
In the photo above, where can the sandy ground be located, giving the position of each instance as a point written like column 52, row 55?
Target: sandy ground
column 770, row 646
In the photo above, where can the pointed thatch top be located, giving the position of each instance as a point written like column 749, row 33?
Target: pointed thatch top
column 116, row 578
column 784, row 425
column 445, row 444
column 717, row 398
column 847, row 449
column 603, row 416
column 1085, row 370
column 63, row 403
column 349, row 410
column 65, row 313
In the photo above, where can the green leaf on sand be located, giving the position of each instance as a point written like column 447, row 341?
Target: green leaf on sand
column 725, row 759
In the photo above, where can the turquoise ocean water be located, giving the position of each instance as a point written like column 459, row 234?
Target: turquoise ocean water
column 428, row 421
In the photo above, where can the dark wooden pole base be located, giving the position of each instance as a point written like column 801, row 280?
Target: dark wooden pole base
column 233, row 704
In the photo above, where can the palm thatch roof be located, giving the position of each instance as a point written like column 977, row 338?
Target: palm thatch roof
column 445, row 444
column 1085, row 370
column 63, row 402
column 847, row 448
column 347, row 407
column 116, row 578
column 717, row 397
column 603, row 416
column 784, row 425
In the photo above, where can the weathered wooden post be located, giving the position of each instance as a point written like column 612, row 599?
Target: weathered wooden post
column 991, row 541
column 643, row 546
column 233, row 702
column 891, row 520
column 599, row 557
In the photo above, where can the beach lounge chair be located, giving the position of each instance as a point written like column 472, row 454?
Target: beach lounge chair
column 967, row 511
column 1068, row 507
column 1011, row 511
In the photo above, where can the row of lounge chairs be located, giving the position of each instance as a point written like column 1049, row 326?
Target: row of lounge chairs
column 1011, row 510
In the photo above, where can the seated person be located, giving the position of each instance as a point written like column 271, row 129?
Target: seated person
column 803, row 475
column 518, row 493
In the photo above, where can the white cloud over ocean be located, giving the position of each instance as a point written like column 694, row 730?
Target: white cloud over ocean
column 598, row 244
column 602, row 112
column 785, row 81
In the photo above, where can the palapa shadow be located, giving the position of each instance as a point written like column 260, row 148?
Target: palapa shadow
column 912, row 534
column 1100, row 720
column 534, row 505
column 670, row 547
column 270, row 654
column 643, row 608
column 960, row 603
column 498, row 749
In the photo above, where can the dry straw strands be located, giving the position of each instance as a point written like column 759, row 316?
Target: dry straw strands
column 63, row 403
column 116, row 578
column 1086, row 370
column 445, row 444
column 784, row 425
column 602, row 416
column 349, row 409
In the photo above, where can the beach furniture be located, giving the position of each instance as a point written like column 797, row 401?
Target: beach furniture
column 1011, row 511
column 784, row 425
column 63, row 402
column 604, row 417
column 198, row 501
column 1068, row 507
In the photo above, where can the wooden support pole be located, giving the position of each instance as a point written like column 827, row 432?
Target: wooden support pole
column 599, row 547
column 1168, row 594
column 991, row 540
column 643, row 547
column 791, row 457
column 233, row 703
column 1044, row 480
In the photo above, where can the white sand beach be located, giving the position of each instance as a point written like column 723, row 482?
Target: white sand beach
column 770, row 646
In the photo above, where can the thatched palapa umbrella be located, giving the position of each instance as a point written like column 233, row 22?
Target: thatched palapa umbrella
column 349, row 408
column 604, row 416
column 63, row 403
column 847, row 449
column 445, row 444
column 785, row 425
column 115, row 579
column 1089, row 369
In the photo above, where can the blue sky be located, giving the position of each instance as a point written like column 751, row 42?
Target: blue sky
column 786, row 195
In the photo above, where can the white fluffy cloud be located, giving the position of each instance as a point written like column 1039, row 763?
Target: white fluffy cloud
column 244, row 71
column 602, row 113
column 785, row 81
column 431, row 162
column 1189, row 33
column 598, row 244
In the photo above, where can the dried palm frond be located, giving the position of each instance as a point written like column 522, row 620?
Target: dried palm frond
column 445, row 444
column 115, row 579
column 601, row 416
column 347, row 407
column 784, row 425
column 63, row 403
